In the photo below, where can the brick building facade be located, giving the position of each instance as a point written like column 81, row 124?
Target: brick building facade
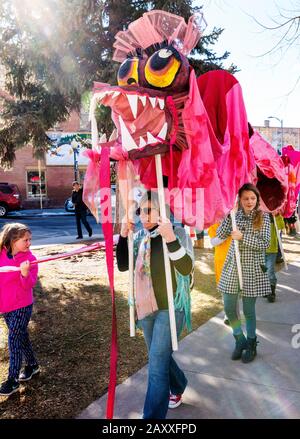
column 274, row 135
column 44, row 183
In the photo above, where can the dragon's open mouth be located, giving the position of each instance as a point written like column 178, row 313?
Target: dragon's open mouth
column 141, row 119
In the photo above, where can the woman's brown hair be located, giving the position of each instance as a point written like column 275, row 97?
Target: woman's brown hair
column 10, row 233
column 258, row 218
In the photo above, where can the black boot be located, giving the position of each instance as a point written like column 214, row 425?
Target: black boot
column 272, row 297
column 250, row 352
column 240, row 345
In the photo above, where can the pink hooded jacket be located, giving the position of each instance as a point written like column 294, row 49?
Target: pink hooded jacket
column 16, row 290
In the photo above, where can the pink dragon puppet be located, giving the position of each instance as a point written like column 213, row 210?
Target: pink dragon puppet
column 168, row 125
column 270, row 176
column 291, row 161
column 157, row 108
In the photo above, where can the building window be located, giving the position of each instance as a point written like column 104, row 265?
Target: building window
column 36, row 186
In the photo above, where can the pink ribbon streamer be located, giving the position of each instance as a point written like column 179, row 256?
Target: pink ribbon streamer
column 86, row 248
column 107, row 227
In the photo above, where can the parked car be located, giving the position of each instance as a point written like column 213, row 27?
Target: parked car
column 10, row 198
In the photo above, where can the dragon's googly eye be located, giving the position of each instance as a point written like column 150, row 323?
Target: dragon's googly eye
column 162, row 67
column 128, row 73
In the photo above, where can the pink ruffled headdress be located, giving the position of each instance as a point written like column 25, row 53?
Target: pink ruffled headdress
column 158, row 26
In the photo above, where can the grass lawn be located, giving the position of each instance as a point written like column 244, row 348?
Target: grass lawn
column 70, row 331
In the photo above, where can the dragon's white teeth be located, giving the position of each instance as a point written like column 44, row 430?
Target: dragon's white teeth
column 150, row 138
column 103, row 138
column 143, row 99
column 133, row 102
column 153, row 102
column 127, row 141
column 115, row 94
column 163, row 132
column 161, row 103
column 142, row 142
column 113, row 135
column 99, row 96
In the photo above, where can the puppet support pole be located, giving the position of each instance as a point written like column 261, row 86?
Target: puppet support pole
column 131, row 291
column 162, row 208
column 130, row 261
column 237, row 251
column 280, row 243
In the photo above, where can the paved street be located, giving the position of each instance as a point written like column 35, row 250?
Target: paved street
column 54, row 229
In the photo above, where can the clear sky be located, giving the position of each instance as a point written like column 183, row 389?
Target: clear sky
column 269, row 82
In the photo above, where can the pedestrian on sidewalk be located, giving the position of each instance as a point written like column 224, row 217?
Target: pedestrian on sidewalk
column 80, row 210
column 290, row 224
column 16, row 299
column 271, row 254
column 166, row 381
column 253, row 236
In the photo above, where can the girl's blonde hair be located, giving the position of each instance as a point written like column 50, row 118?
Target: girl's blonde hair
column 258, row 217
column 10, row 233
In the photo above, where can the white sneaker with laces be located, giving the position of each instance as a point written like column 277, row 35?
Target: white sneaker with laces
column 174, row 401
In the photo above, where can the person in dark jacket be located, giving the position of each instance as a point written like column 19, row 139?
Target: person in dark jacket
column 166, row 381
column 80, row 210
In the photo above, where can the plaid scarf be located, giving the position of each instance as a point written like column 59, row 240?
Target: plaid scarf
column 144, row 294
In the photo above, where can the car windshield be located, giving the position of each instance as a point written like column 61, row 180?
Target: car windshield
column 5, row 189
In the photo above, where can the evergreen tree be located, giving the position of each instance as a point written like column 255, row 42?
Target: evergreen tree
column 53, row 50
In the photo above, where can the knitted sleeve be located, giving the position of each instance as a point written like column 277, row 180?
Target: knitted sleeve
column 122, row 254
column 181, row 252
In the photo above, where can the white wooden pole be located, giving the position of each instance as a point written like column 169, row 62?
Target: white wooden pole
column 237, row 251
column 131, row 284
column 280, row 243
column 130, row 256
column 162, row 208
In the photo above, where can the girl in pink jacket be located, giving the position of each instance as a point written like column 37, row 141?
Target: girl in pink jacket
column 16, row 299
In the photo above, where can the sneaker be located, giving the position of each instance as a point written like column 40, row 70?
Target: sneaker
column 28, row 372
column 90, row 234
column 79, row 237
column 9, row 387
column 174, row 401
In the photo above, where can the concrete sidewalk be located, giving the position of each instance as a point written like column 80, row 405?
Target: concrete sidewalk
column 30, row 213
column 219, row 388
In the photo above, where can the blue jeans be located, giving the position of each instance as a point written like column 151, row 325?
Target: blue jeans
column 270, row 264
column 164, row 375
column 18, row 340
column 230, row 307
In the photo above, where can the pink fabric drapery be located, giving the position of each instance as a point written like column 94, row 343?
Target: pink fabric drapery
column 271, row 179
column 222, row 98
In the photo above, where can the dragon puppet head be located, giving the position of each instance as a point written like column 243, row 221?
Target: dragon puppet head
column 159, row 104
column 153, row 83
